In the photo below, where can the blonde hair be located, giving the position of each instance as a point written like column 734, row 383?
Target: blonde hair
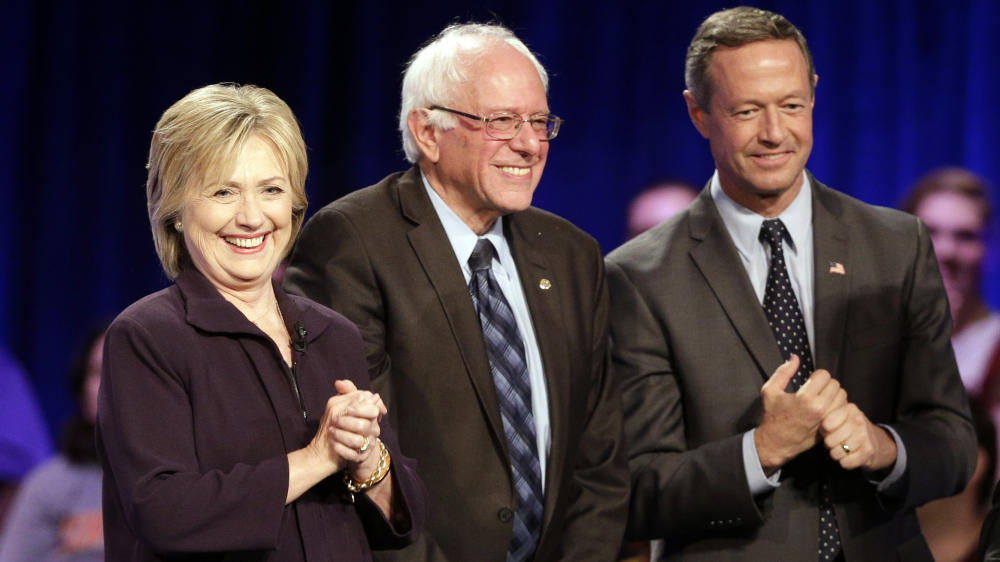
column 201, row 135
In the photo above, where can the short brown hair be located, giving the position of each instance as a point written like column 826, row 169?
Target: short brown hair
column 950, row 180
column 736, row 27
column 203, row 133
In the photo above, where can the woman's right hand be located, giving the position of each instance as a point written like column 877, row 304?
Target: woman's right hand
column 325, row 454
column 347, row 421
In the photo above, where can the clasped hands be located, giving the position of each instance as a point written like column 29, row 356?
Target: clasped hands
column 793, row 422
column 348, row 430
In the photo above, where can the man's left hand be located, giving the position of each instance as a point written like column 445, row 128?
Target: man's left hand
column 855, row 442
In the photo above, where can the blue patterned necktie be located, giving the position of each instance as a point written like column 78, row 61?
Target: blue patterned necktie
column 505, row 350
column 785, row 317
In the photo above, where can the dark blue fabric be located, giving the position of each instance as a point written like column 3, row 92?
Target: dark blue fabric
column 904, row 87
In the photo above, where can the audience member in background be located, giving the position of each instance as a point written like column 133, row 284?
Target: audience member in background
column 658, row 203
column 57, row 512
column 953, row 202
column 24, row 438
column 951, row 525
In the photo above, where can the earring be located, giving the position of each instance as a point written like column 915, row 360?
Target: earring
column 178, row 226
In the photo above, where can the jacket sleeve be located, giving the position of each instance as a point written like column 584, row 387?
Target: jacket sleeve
column 595, row 516
column 676, row 490
column 147, row 440
column 932, row 412
column 331, row 267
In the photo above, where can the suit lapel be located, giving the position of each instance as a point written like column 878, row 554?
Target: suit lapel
column 431, row 246
column 832, row 276
column 716, row 257
column 528, row 246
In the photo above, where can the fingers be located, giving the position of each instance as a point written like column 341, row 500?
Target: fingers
column 782, row 375
column 345, row 386
column 359, row 425
column 832, row 425
column 355, row 446
column 848, row 436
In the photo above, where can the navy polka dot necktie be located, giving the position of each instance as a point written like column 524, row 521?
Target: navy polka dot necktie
column 785, row 317
column 505, row 350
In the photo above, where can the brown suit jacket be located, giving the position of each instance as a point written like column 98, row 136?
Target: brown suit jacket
column 692, row 347
column 381, row 257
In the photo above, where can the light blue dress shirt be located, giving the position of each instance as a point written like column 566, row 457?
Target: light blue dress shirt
column 743, row 226
column 463, row 239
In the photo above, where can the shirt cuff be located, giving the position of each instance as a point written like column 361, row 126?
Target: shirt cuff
column 885, row 485
column 758, row 481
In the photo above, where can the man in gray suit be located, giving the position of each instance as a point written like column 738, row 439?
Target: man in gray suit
column 542, row 479
column 789, row 387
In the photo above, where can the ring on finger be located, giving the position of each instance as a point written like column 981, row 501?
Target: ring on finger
column 364, row 446
column 846, row 448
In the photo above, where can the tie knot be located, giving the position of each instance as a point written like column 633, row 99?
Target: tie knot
column 482, row 255
column 773, row 231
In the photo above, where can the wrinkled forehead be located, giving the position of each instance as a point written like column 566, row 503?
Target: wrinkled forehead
column 504, row 80
column 767, row 64
column 217, row 166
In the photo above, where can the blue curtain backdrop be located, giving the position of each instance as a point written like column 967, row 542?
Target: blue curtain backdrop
column 904, row 87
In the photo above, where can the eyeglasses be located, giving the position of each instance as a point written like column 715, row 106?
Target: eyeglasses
column 504, row 125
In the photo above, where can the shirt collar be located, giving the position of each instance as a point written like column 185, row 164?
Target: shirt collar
column 463, row 239
column 744, row 225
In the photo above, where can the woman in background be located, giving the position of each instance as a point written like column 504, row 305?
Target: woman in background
column 57, row 513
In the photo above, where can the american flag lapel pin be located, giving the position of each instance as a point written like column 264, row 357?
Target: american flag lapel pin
column 837, row 268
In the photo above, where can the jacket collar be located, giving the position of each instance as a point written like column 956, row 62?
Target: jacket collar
column 207, row 310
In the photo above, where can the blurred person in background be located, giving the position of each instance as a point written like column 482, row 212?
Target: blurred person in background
column 658, row 203
column 234, row 420
column 57, row 513
column 954, row 204
column 24, row 438
column 951, row 525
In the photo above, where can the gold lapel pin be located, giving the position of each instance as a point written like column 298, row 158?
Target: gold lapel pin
column 544, row 284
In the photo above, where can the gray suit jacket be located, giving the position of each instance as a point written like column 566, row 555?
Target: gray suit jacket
column 381, row 257
column 692, row 347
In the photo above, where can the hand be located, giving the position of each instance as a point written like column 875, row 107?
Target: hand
column 357, row 427
column 791, row 421
column 870, row 446
column 326, row 454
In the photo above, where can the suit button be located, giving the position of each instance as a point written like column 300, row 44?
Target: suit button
column 505, row 514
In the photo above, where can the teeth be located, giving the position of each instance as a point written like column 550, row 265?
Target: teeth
column 245, row 242
column 515, row 171
column 770, row 156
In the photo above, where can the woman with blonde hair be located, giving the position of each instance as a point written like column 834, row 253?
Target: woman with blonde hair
column 234, row 419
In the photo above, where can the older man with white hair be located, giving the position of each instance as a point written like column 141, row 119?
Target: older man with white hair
column 485, row 319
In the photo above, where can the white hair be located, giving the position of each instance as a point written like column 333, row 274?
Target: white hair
column 435, row 71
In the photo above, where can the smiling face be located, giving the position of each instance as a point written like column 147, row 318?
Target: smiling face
column 759, row 122
column 479, row 177
column 236, row 230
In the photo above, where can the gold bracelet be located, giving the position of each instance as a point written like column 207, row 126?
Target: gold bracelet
column 384, row 461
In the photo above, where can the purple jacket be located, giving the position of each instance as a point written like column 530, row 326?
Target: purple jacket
column 197, row 412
